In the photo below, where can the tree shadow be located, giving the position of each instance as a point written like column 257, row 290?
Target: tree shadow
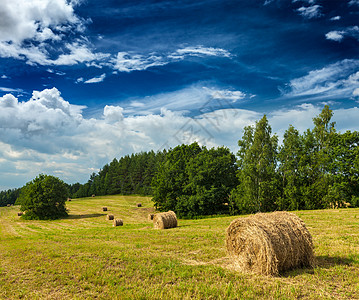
column 86, row 216
column 321, row 262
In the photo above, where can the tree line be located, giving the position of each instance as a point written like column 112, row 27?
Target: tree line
column 313, row 170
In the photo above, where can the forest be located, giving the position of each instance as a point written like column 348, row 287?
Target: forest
column 312, row 170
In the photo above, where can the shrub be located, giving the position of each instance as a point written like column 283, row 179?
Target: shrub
column 43, row 198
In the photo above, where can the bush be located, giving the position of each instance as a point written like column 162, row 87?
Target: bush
column 43, row 198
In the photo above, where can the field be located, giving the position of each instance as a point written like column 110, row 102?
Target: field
column 85, row 257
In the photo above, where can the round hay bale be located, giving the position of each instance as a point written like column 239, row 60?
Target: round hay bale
column 69, row 199
column 117, row 222
column 20, row 213
column 139, row 204
column 110, row 217
column 150, row 217
column 165, row 220
column 104, row 208
column 269, row 243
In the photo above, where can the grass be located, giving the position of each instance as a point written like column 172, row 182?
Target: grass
column 85, row 257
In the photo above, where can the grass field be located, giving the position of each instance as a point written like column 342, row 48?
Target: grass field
column 85, row 257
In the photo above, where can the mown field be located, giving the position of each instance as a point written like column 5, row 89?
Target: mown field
column 85, row 257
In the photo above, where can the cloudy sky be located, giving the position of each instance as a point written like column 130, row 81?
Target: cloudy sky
column 82, row 82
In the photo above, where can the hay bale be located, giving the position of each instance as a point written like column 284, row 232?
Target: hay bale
column 110, row 217
column 139, row 204
column 117, row 222
column 104, row 208
column 20, row 213
column 93, row 195
column 8, row 205
column 69, row 199
column 269, row 243
column 165, row 220
column 150, row 217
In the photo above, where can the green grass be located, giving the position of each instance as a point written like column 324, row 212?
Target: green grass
column 85, row 257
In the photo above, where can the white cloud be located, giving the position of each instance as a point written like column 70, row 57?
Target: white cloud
column 356, row 92
column 336, row 18
column 95, row 79
column 4, row 77
column 335, row 36
column 29, row 30
column 339, row 35
column 80, row 79
column 50, row 135
column 333, row 81
column 310, row 12
column 353, row 2
column 127, row 62
column 10, row 90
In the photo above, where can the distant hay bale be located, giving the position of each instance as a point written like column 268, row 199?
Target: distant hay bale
column 117, row 222
column 110, row 217
column 269, row 243
column 93, row 195
column 68, row 199
column 20, row 213
column 150, row 217
column 104, row 208
column 165, row 220
column 8, row 205
column 139, row 204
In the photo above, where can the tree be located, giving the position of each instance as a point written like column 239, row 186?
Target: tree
column 44, row 198
column 258, row 188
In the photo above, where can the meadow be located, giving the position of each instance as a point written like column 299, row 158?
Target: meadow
column 84, row 257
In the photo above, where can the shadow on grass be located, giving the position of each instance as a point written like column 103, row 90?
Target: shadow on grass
column 86, row 216
column 321, row 262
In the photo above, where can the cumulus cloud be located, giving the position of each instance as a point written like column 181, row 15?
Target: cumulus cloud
column 95, row 79
column 335, row 35
column 128, row 62
column 333, row 81
column 336, row 18
column 353, row 2
column 310, row 12
column 33, row 30
column 49, row 134
column 339, row 35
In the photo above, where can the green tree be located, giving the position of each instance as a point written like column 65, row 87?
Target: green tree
column 44, row 198
column 259, row 186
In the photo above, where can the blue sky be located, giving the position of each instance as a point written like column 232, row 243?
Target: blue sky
column 82, row 82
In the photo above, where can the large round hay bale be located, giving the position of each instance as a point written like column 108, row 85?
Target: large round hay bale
column 104, row 208
column 117, row 222
column 165, row 220
column 110, row 217
column 269, row 243
column 20, row 213
column 150, row 217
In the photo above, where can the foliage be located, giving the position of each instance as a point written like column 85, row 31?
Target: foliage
column 258, row 180
column 43, row 198
column 9, row 196
column 195, row 181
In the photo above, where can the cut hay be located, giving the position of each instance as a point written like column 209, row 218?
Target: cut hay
column 104, row 208
column 150, row 217
column 110, row 217
column 165, row 220
column 139, row 204
column 20, row 213
column 270, row 243
column 117, row 222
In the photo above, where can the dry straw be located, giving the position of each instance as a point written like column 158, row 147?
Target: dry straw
column 165, row 220
column 150, row 217
column 117, row 222
column 104, row 208
column 110, row 217
column 269, row 243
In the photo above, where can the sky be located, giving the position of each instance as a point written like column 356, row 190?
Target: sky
column 83, row 82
